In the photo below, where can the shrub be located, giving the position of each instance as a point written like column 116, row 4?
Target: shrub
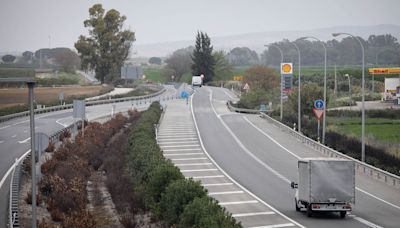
column 177, row 195
column 205, row 212
column 159, row 179
column 28, row 198
column 50, row 147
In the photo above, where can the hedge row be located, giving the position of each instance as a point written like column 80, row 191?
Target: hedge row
column 386, row 113
column 172, row 199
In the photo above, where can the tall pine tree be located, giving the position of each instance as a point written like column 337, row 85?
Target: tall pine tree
column 203, row 60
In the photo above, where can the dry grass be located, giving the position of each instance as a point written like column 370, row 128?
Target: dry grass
column 19, row 96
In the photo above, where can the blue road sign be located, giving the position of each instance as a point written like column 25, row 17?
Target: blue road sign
column 184, row 94
column 319, row 104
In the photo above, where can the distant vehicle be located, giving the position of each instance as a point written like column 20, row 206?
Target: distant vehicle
column 325, row 185
column 197, row 81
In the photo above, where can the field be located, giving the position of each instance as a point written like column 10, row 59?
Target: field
column 154, row 74
column 19, row 96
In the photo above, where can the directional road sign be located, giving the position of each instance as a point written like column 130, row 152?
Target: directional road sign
column 319, row 104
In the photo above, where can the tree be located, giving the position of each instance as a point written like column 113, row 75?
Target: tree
column 8, row 58
column 223, row 69
column 261, row 77
column 27, row 56
column 243, row 56
column 180, row 62
column 203, row 60
column 67, row 60
column 155, row 60
column 108, row 45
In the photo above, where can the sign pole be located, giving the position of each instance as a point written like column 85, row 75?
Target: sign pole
column 318, row 129
column 33, row 154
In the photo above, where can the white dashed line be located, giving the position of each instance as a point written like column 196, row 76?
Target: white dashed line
column 208, row 177
column 25, row 140
column 217, row 184
column 253, row 214
column 188, row 159
column 193, row 164
column 274, row 226
column 180, row 154
column 237, row 202
column 197, row 170
column 225, row 193
column 13, row 136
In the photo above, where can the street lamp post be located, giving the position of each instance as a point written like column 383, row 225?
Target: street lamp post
column 362, row 92
column 299, row 90
column 324, row 120
column 280, row 51
column 348, row 77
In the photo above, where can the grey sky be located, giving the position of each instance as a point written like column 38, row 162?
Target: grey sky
column 27, row 24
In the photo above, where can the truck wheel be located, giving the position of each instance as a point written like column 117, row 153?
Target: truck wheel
column 309, row 211
column 296, row 206
column 342, row 214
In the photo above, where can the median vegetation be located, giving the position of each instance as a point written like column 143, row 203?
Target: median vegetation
column 146, row 189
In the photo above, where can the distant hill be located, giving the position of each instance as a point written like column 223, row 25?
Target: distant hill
column 257, row 40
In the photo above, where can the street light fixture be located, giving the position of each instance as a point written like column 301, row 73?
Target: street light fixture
column 362, row 92
column 324, row 120
column 299, row 89
column 280, row 51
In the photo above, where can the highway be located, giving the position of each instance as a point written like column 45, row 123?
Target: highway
column 263, row 159
column 15, row 136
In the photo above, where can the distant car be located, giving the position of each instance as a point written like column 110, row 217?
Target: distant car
column 197, row 81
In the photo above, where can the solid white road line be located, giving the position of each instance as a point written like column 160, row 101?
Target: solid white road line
column 4, row 127
column 11, row 168
column 208, row 177
column 253, row 214
column 188, row 159
column 197, row 170
column 274, row 225
column 375, row 197
column 191, row 149
column 193, row 164
column 225, row 193
column 237, row 202
column 179, row 154
column 365, row 222
column 217, row 184
column 13, row 136
column 25, row 140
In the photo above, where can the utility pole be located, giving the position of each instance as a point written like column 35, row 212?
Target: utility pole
column 335, row 90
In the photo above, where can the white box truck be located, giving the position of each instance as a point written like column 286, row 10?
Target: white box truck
column 197, row 81
column 325, row 185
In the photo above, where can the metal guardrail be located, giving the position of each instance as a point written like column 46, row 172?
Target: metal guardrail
column 69, row 106
column 243, row 110
column 361, row 167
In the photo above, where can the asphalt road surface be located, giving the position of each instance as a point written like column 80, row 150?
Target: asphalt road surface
column 263, row 159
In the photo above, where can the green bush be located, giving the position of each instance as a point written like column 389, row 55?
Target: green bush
column 206, row 213
column 177, row 195
column 159, row 179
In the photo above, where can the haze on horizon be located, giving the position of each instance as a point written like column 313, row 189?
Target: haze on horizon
column 30, row 25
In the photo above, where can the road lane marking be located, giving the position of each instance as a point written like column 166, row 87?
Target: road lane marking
column 253, row 214
column 181, row 146
column 175, row 142
column 191, row 149
column 207, row 177
column 193, row 164
column 197, row 170
column 25, row 140
column 225, row 193
column 26, row 131
column 229, row 95
column 226, row 174
column 12, row 167
column 181, row 154
column 218, row 184
column 273, row 140
column 1, row 141
column 365, row 222
column 377, row 198
column 188, row 159
column 274, row 225
column 4, row 127
column 58, row 121
column 178, row 139
column 298, row 157
column 174, row 136
column 237, row 202
column 13, row 136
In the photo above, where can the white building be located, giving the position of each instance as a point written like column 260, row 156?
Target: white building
column 391, row 85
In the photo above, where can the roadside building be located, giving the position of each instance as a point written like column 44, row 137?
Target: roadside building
column 391, row 85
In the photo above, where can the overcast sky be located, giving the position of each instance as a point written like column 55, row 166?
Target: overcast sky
column 27, row 24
